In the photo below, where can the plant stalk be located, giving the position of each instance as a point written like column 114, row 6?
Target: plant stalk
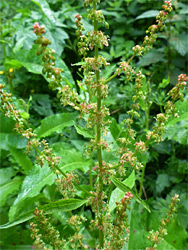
column 99, row 151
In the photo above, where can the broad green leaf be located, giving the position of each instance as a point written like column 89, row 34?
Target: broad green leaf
column 125, row 188
column 33, row 183
column 178, row 132
column 39, row 177
column 22, row 159
column 179, row 42
column 182, row 117
column 148, row 14
column 6, row 174
column 151, row 57
column 83, row 131
column 8, row 188
column 165, row 245
column 13, row 63
column 12, row 140
column 162, row 182
column 7, row 124
column 62, row 205
column 33, row 64
column 46, row 10
column 138, row 227
column 55, row 123
column 114, row 129
column 118, row 194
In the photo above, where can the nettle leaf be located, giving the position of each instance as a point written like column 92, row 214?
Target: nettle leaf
column 83, row 131
column 12, row 140
column 179, row 42
column 55, row 123
column 118, row 194
column 62, row 205
column 125, row 188
column 151, row 57
column 148, row 14
column 8, row 188
column 22, row 159
column 46, row 10
column 178, row 132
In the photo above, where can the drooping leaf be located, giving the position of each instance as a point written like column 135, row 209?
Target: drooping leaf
column 118, row 194
column 22, row 159
column 8, row 188
column 148, row 14
column 62, row 205
column 125, row 188
column 55, row 123
column 83, row 131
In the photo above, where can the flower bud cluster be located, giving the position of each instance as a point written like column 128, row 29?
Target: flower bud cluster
column 93, row 64
column 48, row 58
column 157, row 236
column 175, row 92
column 66, row 183
column 170, row 109
column 105, row 172
column 49, row 233
column 120, row 224
column 130, row 158
column 68, row 97
column 151, row 38
column 97, row 15
column 126, row 69
column 75, row 221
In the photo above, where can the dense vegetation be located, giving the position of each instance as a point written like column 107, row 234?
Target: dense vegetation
column 123, row 149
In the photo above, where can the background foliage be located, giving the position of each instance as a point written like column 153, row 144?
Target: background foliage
column 23, row 185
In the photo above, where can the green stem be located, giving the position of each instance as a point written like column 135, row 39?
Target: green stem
column 99, row 151
column 147, row 112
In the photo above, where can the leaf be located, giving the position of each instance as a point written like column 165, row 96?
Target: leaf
column 11, row 140
column 162, row 182
column 117, row 194
column 125, row 188
column 62, row 205
column 138, row 227
column 55, row 123
column 148, row 14
column 78, row 64
column 182, row 117
column 178, row 132
column 163, row 84
column 151, row 57
column 6, row 174
column 46, row 10
column 33, row 64
column 83, row 131
column 179, row 42
column 22, row 159
column 8, row 188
